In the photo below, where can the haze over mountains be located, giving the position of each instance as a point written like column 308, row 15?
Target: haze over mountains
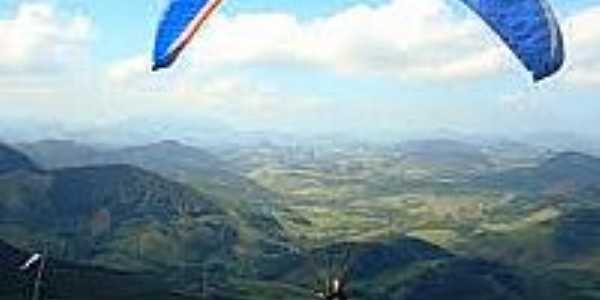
column 569, row 170
column 422, row 219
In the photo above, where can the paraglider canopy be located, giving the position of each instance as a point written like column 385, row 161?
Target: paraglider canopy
column 528, row 28
column 181, row 21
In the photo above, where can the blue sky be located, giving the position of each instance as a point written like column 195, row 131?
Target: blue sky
column 126, row 27
column 269, row 80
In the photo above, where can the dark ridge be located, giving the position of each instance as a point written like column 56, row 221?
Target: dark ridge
column 122, row 186
column 366, row 260
column 572, row 160
column 444, row 152
column 566, row 172
column 12, row 160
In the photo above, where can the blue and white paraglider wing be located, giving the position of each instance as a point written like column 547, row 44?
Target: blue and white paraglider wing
column 181, row 21
column 529, row 28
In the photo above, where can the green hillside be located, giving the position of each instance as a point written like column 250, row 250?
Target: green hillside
column 410, row 223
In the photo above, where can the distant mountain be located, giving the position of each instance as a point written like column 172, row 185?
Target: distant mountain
column 171, row 159
column 176, row 161
column 564, row 141
column 127, row 217
column 100, row 209
column 252, row 203
column 188, row 127
column 12, row 160
column 125, row 190
column 565, row 172
column 443, row 152
column 53, row 154
column 116, row 215
column 506, row 153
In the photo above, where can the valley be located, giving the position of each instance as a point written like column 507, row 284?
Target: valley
column 417, row 219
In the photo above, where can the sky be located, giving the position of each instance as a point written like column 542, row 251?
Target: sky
column 288, row 65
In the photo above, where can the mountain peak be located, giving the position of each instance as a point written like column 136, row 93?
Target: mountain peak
column 568, row 169
column 572, row 158
column 167, row 143
column 13, row 160
column 445, row 152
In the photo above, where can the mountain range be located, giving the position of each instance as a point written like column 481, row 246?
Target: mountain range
column 564, row 172
column 170, row 221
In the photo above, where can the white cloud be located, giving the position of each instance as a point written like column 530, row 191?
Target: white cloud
column 38, row 40
column 402, row 40
column 128, row 69
column 524, row 101
column 583, row 43
column 232, row 97
column 422, row 40
column 236, row 98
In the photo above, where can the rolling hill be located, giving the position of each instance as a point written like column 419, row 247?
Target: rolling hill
column 113, row 215
column 565, row 172
column 252, row 204
column 96, row 209
column 408, row 268
column 13, row 160
column 170, row 159
column 55, row 154
column 444, row 153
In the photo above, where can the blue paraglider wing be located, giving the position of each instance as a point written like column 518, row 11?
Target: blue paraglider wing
column 181, row 20
column 529, row 28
